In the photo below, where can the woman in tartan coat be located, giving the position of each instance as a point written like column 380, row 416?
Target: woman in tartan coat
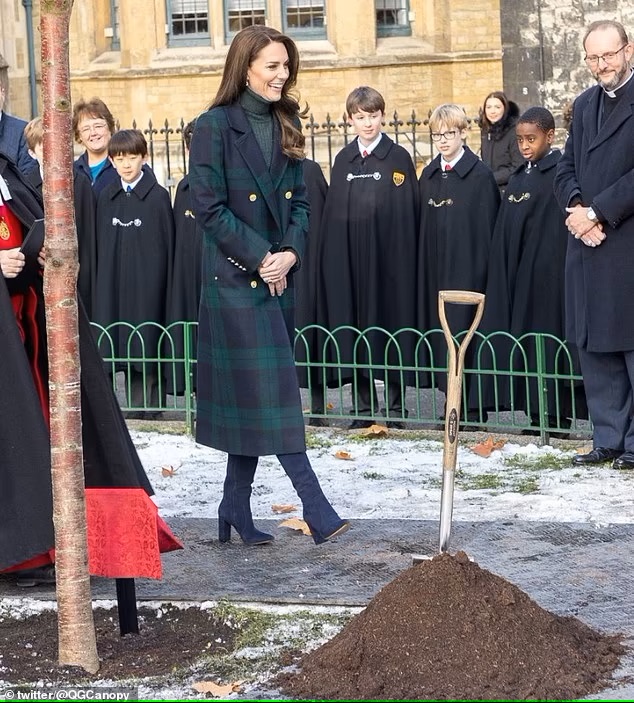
column 249, row 199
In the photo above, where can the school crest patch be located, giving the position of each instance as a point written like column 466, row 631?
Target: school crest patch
column 398, row 178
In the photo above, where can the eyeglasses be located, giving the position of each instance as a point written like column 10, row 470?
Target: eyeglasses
column 608, row 57
column 96, row 127
column 437, row 136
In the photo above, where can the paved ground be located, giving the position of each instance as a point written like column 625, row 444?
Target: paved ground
column 570, row 569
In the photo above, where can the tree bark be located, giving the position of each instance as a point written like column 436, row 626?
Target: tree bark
column 77, row 641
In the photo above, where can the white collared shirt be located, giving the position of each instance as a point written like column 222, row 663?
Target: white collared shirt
column 371, row 147
column 453, row 161
column 132, row 185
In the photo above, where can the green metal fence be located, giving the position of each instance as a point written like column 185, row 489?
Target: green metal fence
column 530, row 384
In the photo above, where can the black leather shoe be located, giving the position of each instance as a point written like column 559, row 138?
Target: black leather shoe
column 625, row 462
column 598, row 456
column 360, row 424
column 42, row 575
column 318, row 422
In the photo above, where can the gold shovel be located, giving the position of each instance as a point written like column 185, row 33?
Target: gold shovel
column 454, row 393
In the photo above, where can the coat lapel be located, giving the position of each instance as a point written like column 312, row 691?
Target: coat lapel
column 248, row 146
column 622, row 112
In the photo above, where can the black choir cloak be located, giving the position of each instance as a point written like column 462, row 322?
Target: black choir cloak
column 135, row 253
column 368, row 258
column 307, row 288
column 458, row 211
column 186, row 282
column 110, row 459
column 525, row 293
column 85, row 206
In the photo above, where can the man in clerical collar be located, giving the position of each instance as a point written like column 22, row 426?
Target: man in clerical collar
column 595, row 185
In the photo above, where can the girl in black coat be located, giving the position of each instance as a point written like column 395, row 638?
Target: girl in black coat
column 497, row 137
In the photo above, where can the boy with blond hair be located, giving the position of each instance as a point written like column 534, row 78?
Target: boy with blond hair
column 85, row 205
column 459, row 203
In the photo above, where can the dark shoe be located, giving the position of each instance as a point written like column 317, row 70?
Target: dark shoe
column 133, row 415
column 43, row 575
column 318, row 422
column 360, row 424
column 395, row 424
column 249, row 534
column 344, row 526
column 625, row 462
column 598, row 456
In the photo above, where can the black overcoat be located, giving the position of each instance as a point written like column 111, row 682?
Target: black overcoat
column 85, row 207
column 307, row 288
column 599, row 166
column 498, row 147
column 110, row 459
column 248, row 394
column 525, row 290
column 368, row 259
column 135, row 253
column 458, row 211
column 186, row 283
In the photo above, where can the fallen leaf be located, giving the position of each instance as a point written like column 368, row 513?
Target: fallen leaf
column 217, row 690
column 343, row 454
column 283, row 508
column 168, row 470
column 330, row 406
column 376, row 431
column 296, row 523
column 485, row 448
column 584, row 450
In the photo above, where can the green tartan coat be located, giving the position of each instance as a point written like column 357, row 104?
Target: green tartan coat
column 248, row 398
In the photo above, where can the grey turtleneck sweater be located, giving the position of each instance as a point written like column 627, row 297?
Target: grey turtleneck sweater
column 260, row 116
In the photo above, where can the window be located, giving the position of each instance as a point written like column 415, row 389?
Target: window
column 244, row 13
column 392, row 18
column 188, row 22
column 115, row 44
column 304, row 18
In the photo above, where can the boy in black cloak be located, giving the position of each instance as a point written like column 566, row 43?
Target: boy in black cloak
column 459, row 202
column 187, row 276
column 135, row 254
column 85, row 206
column 125, row 534
column 369, row 250
column 525, row 288
column 307, row 294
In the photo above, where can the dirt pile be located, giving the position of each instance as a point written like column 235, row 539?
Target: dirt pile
column 447, row 629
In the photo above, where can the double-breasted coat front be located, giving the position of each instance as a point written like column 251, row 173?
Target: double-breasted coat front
column 248, row 398
column 598, row 166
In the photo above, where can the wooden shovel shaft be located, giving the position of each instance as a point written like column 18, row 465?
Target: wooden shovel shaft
column 454, row 393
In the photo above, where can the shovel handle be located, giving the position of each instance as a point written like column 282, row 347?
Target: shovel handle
column 454, row 393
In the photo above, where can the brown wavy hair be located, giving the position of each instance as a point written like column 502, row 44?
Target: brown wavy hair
column 244, row 49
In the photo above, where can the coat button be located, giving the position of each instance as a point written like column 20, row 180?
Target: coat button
column 254, row 284
column 288, row 195
column 253, row 197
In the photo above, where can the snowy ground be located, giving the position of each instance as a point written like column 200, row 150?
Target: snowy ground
column 397, row 476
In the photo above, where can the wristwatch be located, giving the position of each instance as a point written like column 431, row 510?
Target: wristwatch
column 592, row 215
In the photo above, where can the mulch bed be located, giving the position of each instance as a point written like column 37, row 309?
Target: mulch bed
column 170, row 639
column 448, row 629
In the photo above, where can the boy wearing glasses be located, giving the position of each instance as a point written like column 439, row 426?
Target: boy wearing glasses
column 93, row 125
column 459, row 202
column 369, row 239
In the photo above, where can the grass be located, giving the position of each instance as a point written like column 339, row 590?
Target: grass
column 527, row 485
column 372, row 475
column 540, row 462
column 479, row 482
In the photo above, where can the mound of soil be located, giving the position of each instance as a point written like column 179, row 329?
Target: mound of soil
column 169, row 640
column 447, row 629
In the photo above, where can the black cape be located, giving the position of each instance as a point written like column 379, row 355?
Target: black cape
column 368, row 258
column 85, row 207
column 135, row 252
column 186, row 282
column 458, row 211
column 110, row 459
column 525, row 292
column 307, row 288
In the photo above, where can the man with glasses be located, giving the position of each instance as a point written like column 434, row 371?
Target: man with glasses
column 595, row 185
column 12, row 141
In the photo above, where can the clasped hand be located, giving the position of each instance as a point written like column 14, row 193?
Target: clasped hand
column 12, row 261
column 274, row 268
column 582, row 228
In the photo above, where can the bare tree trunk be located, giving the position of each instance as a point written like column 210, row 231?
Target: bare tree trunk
column 77, row 641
